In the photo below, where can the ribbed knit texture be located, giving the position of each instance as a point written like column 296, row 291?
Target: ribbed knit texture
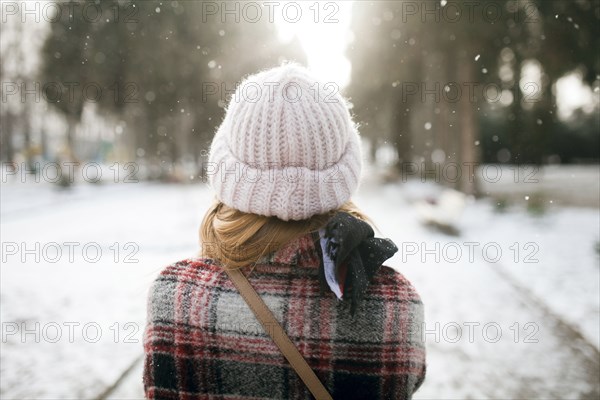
column 287, row 146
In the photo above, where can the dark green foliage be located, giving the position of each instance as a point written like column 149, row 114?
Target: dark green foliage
column 396, row 47
column 154, row 61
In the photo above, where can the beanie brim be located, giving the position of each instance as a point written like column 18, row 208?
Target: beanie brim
column 287, row 192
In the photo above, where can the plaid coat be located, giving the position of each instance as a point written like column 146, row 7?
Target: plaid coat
column 203, row 342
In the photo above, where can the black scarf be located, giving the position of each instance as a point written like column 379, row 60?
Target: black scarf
column 351, row 246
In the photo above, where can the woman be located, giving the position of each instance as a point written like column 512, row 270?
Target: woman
column 284, row 164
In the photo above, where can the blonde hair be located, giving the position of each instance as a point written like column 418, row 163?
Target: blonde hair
column 237, row 239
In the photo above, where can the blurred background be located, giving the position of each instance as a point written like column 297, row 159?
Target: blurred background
column 481, row 138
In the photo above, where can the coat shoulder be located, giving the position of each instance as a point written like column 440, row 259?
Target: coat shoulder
column 184, row 276
column 188, row 270
column 391, row 280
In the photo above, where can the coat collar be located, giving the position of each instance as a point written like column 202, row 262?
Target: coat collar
column 299, row 252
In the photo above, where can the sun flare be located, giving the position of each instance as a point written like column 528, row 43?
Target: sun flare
column 323, row 30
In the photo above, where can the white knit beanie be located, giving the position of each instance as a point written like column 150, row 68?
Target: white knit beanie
column 287, row 146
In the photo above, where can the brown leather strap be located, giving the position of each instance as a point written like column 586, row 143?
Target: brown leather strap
column 274, row 329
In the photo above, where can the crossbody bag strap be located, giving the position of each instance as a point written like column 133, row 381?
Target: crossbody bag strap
column 281, row 339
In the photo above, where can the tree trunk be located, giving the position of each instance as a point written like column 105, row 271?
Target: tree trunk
column 469, row 130
column 70, row 137
column 401, row 130
column 6, row 129
column 28, row 148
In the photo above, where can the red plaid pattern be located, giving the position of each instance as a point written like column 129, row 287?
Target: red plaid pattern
column 202, row 341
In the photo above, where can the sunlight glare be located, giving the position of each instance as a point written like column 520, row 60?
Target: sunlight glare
column 323, row 30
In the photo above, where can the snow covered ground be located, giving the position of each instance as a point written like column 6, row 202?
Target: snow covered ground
column 484, row 338
column 520, row 324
